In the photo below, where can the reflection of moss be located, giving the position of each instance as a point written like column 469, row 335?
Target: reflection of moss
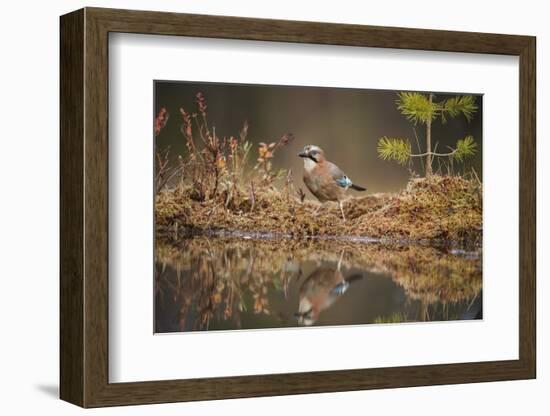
column 437, row 208
column 231, row 266
column 394, row 318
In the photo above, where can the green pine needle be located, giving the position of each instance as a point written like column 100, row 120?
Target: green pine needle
column 465, row 148
column 416, row 107
column 455, row 106
column 394, row 149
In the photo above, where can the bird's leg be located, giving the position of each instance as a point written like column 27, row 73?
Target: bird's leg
column 341, row 204
column 340, row 261
column 318, row 208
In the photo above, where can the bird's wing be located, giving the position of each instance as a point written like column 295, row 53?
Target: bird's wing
column 339, row 176
column 340, row 288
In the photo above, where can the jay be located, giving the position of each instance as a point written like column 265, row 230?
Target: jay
column 324, row 179
column 320, row 290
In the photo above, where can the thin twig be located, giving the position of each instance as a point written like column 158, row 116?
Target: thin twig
column 477, row 177
column 434, row 154
column 418, row 145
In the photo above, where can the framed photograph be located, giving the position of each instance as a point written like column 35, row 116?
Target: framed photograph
column 260, row 207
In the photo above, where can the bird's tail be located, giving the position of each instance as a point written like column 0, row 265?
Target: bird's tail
column 357, row 187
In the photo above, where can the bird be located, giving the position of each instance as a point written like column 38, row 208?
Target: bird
column 320, row 290
column 324, row 179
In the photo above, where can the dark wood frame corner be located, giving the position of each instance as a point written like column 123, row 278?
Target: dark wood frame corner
column 84, row 207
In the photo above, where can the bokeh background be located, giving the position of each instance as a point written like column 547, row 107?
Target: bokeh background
column 346, row 123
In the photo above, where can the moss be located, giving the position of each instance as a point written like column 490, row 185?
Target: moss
column 438, row 208
column 446, row 208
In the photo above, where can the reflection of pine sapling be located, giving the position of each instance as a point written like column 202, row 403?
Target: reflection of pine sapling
column 421, row 108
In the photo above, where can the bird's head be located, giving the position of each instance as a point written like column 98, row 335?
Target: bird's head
column 307, row 313
column 312, row 152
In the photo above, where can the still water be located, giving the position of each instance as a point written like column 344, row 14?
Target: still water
column 251, row 283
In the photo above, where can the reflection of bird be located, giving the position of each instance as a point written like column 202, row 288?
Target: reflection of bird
column 319, row 291
column 324, row 179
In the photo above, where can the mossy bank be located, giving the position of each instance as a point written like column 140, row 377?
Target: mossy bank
column 438, row 209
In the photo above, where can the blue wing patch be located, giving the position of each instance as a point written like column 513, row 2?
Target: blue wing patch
column 340, row 288
column 343, row 181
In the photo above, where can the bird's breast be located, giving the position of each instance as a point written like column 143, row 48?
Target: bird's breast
column 309, row 165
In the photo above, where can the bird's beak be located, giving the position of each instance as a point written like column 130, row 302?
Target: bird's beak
column 302, row 154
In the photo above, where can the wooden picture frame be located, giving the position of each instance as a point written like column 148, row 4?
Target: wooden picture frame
column 84, row 207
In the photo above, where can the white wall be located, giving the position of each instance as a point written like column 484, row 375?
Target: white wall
column 29, row 208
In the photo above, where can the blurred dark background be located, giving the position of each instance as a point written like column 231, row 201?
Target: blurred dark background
column 346, row 123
